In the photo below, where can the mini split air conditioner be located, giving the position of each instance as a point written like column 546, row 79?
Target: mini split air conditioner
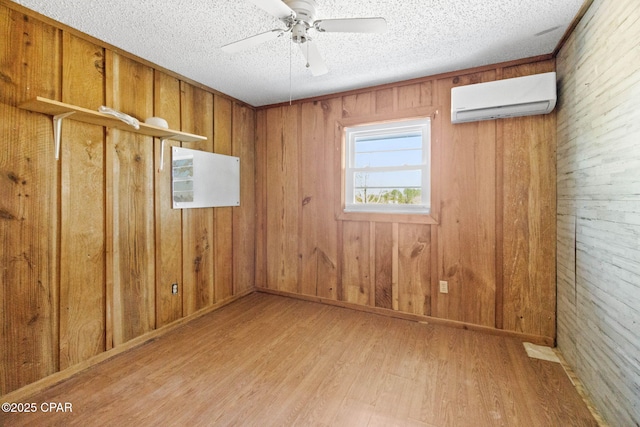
column 521, row 96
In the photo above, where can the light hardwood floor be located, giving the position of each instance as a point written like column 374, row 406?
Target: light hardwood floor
column 270, row 360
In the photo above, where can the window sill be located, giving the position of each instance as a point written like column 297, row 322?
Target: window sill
column 387, row 217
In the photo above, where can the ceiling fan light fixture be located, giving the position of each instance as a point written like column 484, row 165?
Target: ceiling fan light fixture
column 299, row 33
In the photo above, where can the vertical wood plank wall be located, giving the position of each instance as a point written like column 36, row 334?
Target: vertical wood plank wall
column 495, row 238
column 599, row 207
column 29, row 204
column 90, row 245
column 82, row 284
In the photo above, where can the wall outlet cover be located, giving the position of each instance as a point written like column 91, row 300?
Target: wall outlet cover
column 444, row 287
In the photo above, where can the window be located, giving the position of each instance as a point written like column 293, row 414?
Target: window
column 387, row 167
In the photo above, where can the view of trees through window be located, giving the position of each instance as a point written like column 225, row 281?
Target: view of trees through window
column 404, row 196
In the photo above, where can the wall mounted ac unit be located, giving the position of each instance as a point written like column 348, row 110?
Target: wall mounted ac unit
column 521, row 96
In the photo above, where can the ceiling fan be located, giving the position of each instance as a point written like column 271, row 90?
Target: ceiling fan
column 299, row 16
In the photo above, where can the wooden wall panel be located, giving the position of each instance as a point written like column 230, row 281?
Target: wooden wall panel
column 466, row 235
column 283, row 200
column 29, row 67
column 386, row 100
column 244, row 216
column 223, row 270
column 385, row 246
column 529, row 223
column 168, row 221
column 357, row 262
column 319, row 247
column 82, row 223
column 198, row 225
column 360, row 104
column 130, row 90
column 414, row 269
column 415, row 95
column 261, row 198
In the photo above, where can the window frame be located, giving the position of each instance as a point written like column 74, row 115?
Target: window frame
column 420, row 126
column 340, row 145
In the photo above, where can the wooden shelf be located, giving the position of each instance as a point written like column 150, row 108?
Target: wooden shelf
column 61, row 111
column 55, row 108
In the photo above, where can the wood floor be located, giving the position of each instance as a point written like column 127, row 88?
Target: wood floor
column 270, row 360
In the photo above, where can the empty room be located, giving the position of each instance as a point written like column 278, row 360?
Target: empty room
column 320, row 213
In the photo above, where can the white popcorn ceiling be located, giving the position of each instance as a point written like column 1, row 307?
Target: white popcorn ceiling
column 424, row 37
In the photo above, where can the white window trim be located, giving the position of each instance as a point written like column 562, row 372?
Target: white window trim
column 422, row 126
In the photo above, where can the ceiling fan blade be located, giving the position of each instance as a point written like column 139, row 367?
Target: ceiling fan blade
column 352, row 25
column 276, row 8
column 314, row 59
column 251, row 41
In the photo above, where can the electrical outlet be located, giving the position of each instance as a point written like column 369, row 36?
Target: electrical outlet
column 444, row 287
column 174, row 289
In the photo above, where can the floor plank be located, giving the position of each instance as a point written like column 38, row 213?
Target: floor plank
column 271, row 360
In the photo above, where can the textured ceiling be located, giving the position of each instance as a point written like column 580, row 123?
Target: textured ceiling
column 424, row 37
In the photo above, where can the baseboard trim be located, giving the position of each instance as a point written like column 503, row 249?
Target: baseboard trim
column 535, row 339
column 22, row 393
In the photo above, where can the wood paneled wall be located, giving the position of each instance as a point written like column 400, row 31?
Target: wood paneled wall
column 90, row 244
column 494, row 237
column 599, row 207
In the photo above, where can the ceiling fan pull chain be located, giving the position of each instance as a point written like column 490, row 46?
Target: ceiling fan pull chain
column 290, row 44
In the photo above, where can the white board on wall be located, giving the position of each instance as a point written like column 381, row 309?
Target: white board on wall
column 201, row 179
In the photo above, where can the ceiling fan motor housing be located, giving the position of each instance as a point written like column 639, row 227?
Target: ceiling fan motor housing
column 305, row 10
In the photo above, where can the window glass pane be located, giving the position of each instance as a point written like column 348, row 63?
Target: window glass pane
column 388, row 158
column 399, row 187
column 388, row 151
column 396, row 142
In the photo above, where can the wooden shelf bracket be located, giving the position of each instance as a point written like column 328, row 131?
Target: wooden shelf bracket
column 57, row 130
column 162, row 140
